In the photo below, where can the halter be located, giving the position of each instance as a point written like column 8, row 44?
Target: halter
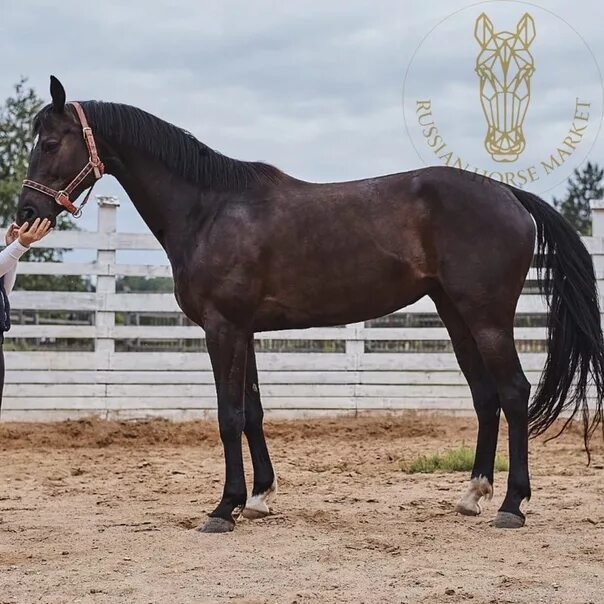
column 94, row 165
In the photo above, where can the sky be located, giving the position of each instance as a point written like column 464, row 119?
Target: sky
column 313, row 87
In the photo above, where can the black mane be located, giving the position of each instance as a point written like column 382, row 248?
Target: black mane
column 175, row 147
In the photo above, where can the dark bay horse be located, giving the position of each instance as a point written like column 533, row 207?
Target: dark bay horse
column 254, row 249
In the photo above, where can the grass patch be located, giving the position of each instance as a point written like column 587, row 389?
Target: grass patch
column 460, row 459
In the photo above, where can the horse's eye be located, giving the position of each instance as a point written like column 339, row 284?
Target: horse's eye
column 49, row 146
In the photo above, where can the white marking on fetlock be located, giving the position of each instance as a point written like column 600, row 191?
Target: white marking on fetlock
column 257, row 505
column 469, row 504
column 237, row 512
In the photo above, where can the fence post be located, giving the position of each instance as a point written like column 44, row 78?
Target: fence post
column 597, row 247
column 105, row 258
column 597, row 217
column 355, row 349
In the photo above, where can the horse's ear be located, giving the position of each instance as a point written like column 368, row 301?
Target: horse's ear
column 525, row 30
column 483, row 30
column 57, row 93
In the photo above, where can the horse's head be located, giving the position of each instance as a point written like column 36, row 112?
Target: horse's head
column 58, row 156
column 505, row 66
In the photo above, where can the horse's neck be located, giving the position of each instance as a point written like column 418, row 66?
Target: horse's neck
column 164, row 201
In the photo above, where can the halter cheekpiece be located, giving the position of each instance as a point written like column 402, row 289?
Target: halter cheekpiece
column 95, row 165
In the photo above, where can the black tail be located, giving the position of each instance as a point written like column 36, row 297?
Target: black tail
column 575, row 345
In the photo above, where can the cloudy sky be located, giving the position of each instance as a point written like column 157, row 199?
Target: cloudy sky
column 313, row 87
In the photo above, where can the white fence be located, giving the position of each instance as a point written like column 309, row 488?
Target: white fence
column 361, row 376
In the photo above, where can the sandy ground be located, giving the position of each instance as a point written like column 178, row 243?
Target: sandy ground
column 105, row 512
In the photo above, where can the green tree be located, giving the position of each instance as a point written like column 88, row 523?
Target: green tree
column 16, row 116
column 583, row 186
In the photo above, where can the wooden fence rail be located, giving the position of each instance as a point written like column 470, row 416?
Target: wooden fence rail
column 367, row 366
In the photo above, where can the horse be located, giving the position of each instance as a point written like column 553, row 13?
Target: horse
column 253, row 249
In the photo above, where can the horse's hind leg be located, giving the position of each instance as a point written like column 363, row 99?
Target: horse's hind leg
column 265, row 481
column 492, row 329
column 486, row 404
column 498, row 351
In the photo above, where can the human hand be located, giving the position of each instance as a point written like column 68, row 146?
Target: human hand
column 12, row 233
column 35, row 232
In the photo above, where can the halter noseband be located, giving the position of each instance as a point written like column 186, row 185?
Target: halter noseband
column 94, row 165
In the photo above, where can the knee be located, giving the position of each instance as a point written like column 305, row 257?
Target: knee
column 254, row 416
column 231, row 425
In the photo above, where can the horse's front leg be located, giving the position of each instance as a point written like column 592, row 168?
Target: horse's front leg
column 265, row 481
column 227, row 346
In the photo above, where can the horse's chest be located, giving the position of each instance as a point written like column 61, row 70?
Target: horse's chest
column 190, row 293
column 200, row 290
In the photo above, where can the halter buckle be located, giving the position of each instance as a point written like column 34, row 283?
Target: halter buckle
column 62, row 197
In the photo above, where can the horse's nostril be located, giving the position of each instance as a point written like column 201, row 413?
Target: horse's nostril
column 27, row 214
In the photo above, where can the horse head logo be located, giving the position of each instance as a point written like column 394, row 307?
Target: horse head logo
column 504, row 67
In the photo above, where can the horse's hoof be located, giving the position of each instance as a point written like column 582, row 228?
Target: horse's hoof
column 469, row 504
column 217, row 525
column 257, row 505
column 468, row 508
column 251, row 514
column 508, row 520
column 255, row 509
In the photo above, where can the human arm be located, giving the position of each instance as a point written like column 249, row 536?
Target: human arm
column 9, row 257
column 18, row 240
